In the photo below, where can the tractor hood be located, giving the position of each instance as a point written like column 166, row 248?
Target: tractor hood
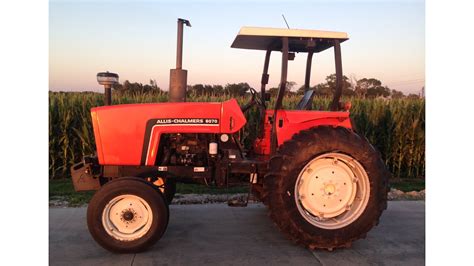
column 129, row 134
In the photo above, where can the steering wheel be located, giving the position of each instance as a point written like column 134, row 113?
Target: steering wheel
column 256, row 99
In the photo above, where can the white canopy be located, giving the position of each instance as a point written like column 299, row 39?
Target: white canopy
column 299, row 40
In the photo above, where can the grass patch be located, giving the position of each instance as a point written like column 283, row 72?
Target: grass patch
column 407, row 185
column 202, row 189
column 62, row 189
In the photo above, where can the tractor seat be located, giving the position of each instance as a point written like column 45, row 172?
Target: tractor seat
column 307, row 101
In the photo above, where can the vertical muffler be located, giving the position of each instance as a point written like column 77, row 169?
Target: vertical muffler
column 179, row 76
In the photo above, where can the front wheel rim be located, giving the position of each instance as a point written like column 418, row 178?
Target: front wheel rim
column 127, row 217
column 332, row 191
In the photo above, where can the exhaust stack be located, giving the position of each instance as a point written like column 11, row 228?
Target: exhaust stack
column 179, row 76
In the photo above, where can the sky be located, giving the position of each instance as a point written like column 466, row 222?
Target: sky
column 137, row 40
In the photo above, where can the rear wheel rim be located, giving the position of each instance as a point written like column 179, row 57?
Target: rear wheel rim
column 332, row 191
column 127, row 217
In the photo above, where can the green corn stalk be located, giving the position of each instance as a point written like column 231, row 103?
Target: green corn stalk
column 395, row 127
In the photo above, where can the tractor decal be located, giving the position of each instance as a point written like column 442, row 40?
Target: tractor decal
column 187, row 122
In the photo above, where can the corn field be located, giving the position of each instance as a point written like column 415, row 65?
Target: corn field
column 396, row 127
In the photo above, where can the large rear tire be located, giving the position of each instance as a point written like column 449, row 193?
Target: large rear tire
column 127, row 215
column 326, row 187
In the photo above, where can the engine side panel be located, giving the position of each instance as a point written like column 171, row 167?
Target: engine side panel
column 129, row 134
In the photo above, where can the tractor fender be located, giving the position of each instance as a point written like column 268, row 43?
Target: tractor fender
column 290, row 123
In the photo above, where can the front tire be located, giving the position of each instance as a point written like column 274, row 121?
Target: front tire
column 326, row 187
column 127, row 215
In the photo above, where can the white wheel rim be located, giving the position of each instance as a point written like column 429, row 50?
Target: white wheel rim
column 127, row 217
column 332, row 191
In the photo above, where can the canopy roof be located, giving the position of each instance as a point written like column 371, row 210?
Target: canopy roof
column 258, row 38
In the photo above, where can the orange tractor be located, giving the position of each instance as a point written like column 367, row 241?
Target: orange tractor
column 325, row 186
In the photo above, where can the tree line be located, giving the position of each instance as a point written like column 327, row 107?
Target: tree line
column 361, row 88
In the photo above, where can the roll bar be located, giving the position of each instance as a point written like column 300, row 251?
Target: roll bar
column 334, row 106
